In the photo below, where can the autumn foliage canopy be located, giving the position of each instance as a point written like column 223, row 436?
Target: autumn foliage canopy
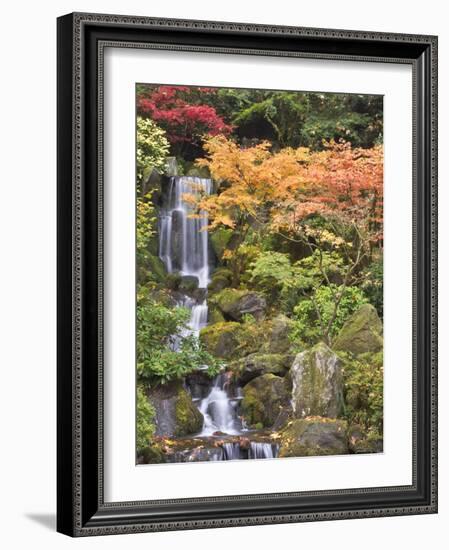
column 176, row 110
column 281, row 190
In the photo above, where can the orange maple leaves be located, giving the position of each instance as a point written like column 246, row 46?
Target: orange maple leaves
column 281, row 189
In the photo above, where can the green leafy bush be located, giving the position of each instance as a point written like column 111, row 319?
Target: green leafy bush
column 162, row 355
column 269, row 272
column 145, row 419
column 363, row 388
column 372, row 284
column 152, row 147
column 320, row 318
column 308, row 274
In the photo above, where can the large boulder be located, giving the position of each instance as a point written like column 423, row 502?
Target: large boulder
column 314, row 436
column 235, row 303
column 188, row 284
column 317, row 383
column 221, row 278
column 222, row 339
column 362, row 332
column 258, row 364
column 176, row 414
column 152, row 181
column 263, row 400
column 279, row 335
column 362, row 442
column 171, row 167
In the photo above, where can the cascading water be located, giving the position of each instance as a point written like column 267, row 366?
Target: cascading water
column 184, row 248
column 219, row 410
column 183, row 238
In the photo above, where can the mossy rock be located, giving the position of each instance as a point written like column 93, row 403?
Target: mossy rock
column 221, row 339
column 221, row 278
column 313, row 437
column 263, row 399
column 151, row 455
column 188, row 283
column 361, row 442
column 173, row 280
column 219, row 239
column 236, row 303
column 317, row 381
column 189, row 420
column 230, row 340
column 258, row 364
column 279, row 335
column 361, row 333
column 215, row 316
column 176, row 414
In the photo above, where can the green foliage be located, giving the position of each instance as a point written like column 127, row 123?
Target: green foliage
column 158, row 335
column 363, row 387
column 270, row 271
column 305, row 119
column 145, row 419
column 152, row 147
column 145, row 224
column 308, row 274
column 372, row 284
column 318, row 317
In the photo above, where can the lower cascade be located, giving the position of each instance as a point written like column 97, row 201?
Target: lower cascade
column 184, row 249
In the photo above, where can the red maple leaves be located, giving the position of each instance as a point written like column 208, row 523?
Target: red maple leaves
column 178, row 111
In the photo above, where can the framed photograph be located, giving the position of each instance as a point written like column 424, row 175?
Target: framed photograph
column 247, row 282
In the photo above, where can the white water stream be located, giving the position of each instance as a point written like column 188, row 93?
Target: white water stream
column 184, row 249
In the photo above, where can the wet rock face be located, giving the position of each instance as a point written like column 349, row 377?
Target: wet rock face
column 314, row 437
column 362, row 332
column 176, row 414
column 317, row 383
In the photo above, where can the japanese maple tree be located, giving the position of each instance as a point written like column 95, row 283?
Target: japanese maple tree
column 181, row 112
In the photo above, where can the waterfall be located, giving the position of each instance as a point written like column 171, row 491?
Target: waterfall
column 263, row 450
column 184, row 249
column 219, row 410
column 183, row 239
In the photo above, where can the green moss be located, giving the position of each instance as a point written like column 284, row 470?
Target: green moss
column 173, row 280
column 257, row 364
column 215, row 315
column 156, row 267
column 313, row 437
column 361, row 333
column 152, row 455
column 228, row 297
column 263, row 399
column 189, row 420
column 229, row 339
column 236, row 303
column 318, row 383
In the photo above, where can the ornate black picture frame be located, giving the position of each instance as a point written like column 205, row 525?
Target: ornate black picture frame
column 81, row 509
